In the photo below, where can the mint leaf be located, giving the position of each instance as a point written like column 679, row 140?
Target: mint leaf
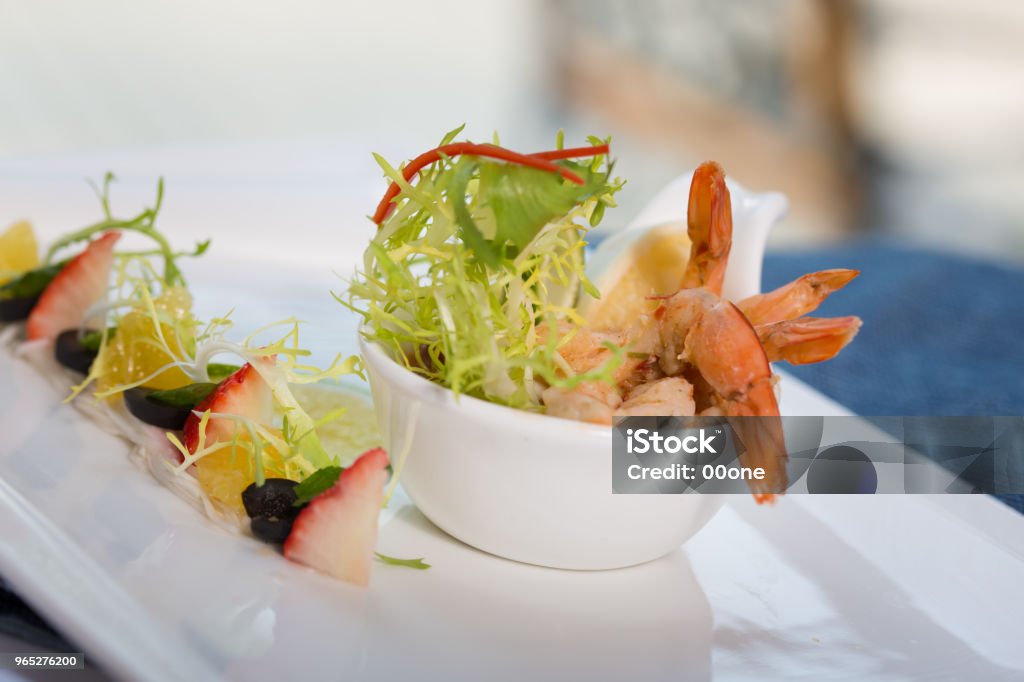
column 184, row 397
column 31, row 283
column 316, row 483
column 91, row 340
column 418, row 564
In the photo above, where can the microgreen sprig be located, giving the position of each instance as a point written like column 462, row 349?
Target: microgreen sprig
column 143, row 223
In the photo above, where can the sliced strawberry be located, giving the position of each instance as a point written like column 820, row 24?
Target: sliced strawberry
column 244, row 393
column 77, row 287
column 337, row 531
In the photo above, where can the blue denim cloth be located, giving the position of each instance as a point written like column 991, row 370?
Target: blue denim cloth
column 942, row 334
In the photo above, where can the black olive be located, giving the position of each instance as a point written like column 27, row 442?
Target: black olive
column 16, row 309
column 154, row 413
column 19, row 296
column 71, row 353
column 274, row 499
column 169, row 408
column 272, row 530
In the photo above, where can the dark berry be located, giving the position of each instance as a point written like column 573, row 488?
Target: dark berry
column 17, row 309
column 71, row 353
column 151, row 412
column 275, row 499
column 272, row 530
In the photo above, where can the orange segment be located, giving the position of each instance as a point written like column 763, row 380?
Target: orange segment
column 135, row 351
column 225, row 473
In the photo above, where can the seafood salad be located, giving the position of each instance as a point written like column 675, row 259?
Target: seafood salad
column 475, row 280
column 242, row 429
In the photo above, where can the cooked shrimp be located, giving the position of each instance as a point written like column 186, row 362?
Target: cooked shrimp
column 585, row 350
column 667, row 397
column 799, row 297
column 598, row 403
column 713, row 338
column 807, row 339
column 581, row 348
column 701, row 354
column 709, row 226
column 581, row 404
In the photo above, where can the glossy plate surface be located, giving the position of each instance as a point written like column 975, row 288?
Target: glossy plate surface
column 887, row 587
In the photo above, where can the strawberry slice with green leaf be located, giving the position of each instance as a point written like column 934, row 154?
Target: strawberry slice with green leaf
column 80, row 284
column 337, row 531
column 244, row 393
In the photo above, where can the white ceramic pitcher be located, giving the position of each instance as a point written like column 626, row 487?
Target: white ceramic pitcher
column 753, row 216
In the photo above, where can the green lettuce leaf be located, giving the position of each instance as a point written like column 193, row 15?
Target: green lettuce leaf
column 523, row 200
column 517, row 200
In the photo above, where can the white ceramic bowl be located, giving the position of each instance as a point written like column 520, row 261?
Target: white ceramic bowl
column 534, row 488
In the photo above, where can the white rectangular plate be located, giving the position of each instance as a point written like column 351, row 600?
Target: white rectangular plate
column 880, row 587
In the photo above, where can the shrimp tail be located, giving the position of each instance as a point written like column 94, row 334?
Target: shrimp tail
column 762, row 447
column 807, row 340
column 709, row 226
column 799, row 297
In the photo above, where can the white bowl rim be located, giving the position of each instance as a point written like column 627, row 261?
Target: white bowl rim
column 397, row 374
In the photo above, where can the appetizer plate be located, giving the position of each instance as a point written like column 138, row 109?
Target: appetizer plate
column 880, row 587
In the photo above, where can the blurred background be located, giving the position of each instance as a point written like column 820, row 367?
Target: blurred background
column 900, row 118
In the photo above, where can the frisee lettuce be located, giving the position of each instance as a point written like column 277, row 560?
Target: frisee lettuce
column 419, row 564
column 476, row 257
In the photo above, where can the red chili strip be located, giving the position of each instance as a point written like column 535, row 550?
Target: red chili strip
column 540, row 160
column 573, row 153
